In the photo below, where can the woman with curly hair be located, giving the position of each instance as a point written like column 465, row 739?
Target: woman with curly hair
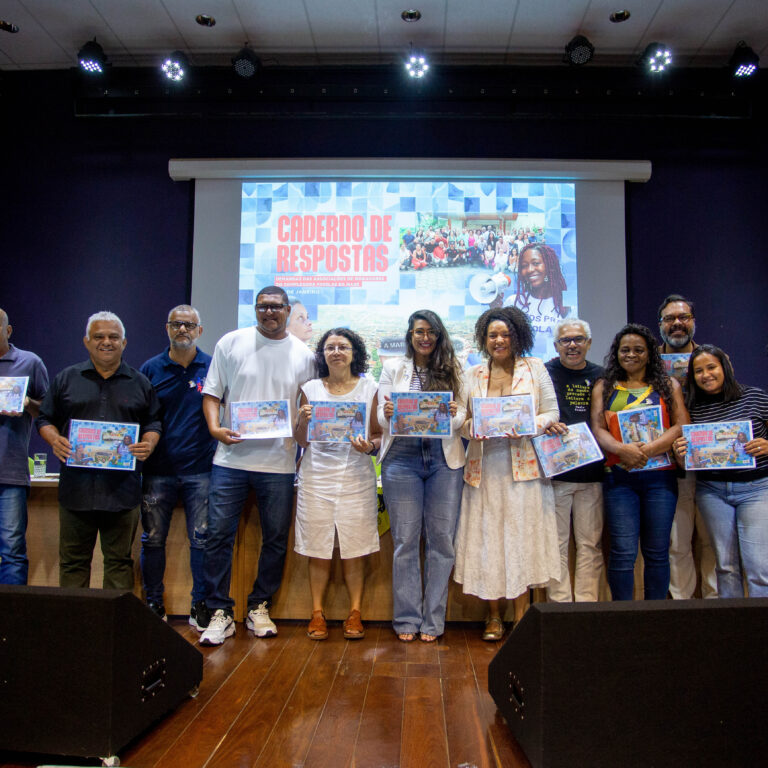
column 336, row 499
column 540, row 283
column 639, row 503
column 507, row 538
column 421, row 479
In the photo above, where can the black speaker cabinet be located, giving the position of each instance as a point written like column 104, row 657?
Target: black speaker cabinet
column 667, row 683
column 82, row 672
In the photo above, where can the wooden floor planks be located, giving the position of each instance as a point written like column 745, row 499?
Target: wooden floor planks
column 370, row 703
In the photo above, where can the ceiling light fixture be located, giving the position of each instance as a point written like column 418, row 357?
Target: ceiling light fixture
column 579, row 50
column 410, row 15
column 416, row 65
column 618, row 16
column 205, row 20
column 6, row 26
column 92, row 58
column 175, row 67
column 744, row 61
column 657, row 58
column 245, row 62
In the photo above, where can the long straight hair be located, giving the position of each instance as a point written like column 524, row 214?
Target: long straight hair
column 442, row 372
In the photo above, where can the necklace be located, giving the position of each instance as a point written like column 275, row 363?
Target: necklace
column 340, row 387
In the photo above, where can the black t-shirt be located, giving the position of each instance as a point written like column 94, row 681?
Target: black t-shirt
column 574, row 390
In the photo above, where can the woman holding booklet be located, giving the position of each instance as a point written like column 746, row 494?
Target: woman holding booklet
column 507, row 537
column 637, row 399
column 421, row 476
column 336, row 499
column 733, row 502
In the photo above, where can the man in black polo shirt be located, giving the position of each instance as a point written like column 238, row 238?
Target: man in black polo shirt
column 99, row 501
column 578, row 493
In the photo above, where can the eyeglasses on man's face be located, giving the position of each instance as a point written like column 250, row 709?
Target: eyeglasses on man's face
column 176, row 325
column 264, row 308
column 683, row 317
column 566, row 341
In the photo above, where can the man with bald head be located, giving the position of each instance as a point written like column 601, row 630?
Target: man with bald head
column 15, row 430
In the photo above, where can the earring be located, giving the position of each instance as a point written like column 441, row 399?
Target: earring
column 546, row 278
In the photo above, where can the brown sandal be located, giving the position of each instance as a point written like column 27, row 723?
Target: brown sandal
column 317, row 629
column 494, row 629
column 353, row 626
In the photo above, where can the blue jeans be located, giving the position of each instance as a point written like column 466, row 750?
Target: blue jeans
column 14, row 566
column 639, row 505
column 736, row 515
column 229, row 491
column 159, row 496
column 422, row 494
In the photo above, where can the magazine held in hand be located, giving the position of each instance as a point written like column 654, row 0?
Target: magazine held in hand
column 718, row 445
column 500, row 416
column 421, row 414
column 562, row 453
column 102, row 444
column 13, row 391
column 337, row 421
column 258, row 419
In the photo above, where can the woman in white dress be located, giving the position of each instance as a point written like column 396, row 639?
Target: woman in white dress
column 337, row 482
column 507, row 536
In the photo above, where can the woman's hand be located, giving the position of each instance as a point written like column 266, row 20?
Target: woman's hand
column 757, row 447
column 453, row 408
column 389, row 408
column 680, row 447
column 557, row 428
column 305, row 414
column 632, row 455
column 361, row 445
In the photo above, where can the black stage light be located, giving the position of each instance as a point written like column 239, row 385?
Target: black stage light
column 6, row 26
column 176, row 66
column 579, row 50
column 656, row 58
column 92, row 58
column 246, row 63
column 744, row 62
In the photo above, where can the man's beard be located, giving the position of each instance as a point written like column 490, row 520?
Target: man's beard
column 677, row 342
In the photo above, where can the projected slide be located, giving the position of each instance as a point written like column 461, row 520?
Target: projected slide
column 366, row 253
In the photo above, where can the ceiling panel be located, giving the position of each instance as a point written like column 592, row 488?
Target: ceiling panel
column 276, row 25
column 480, row 26
column 546, row 25
column 428, row 33
column 339, row 25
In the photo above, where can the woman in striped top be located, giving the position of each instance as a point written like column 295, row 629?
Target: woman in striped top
column 733, row 502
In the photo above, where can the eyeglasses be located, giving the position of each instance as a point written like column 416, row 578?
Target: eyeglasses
column 264, row 308
column 685, row 317
column 421, row 333
column 566, row 341
column 336, row 348
column 176, row 325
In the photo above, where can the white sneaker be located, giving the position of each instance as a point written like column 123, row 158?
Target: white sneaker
column 220, row 627
column 259, row 623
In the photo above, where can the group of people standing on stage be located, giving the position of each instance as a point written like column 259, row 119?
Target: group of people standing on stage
column 481, row 507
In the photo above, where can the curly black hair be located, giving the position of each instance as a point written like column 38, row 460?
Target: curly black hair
column 655, row 374
column 516, row 321
column 359, row 353
column 442, row 373
column 554, row 278
column 732, row 390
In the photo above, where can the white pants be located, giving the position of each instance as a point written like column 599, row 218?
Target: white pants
column 583, row 501
column 682, row 569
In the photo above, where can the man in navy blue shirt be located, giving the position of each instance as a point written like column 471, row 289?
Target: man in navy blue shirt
column 15, row 429
column 181, row 463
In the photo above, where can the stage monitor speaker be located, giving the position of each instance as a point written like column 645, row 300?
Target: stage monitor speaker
column 667, row 683
column 82, row 672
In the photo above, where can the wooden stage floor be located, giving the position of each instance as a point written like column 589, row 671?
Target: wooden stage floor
column 292, row 701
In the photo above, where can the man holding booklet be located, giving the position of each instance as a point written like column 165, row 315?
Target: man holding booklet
column 578, row 492
column 98, row 402
column 255, row 373
column 15, row 429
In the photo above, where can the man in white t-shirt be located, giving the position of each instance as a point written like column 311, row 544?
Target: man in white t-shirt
column 258, row 363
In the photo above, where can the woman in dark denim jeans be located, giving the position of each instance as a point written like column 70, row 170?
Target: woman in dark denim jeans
column 639, row 500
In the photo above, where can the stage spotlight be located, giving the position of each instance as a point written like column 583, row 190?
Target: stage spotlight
column 416, row 65
column 92, row 58
column 579, row 50
column 246, row 63
column 176, row 66
column 744, row 62
column 657, row 58
column 7, row 26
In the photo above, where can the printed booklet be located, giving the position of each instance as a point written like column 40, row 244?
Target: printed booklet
column 335, row 421
column 258, row 419
column 102, row 444
column 643, row 425
column 562, row 453
column 718, row 445
column 13, row 390
column 499, row 416
column 676, row 365
column 421, row 414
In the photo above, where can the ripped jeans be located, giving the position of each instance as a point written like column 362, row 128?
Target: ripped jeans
column 159, row 496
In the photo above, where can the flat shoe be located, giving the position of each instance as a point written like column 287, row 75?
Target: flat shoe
column 406, row 637
column 317, row 629
column 494, row 630
column 353, row 626
column 425, row 638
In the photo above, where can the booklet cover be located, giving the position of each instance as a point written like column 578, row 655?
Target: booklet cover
column 499, row 416
column 562, row 453
column 676, row 365
column 102, row 444
column 718, row 445
column 643, row 425
column 257, row 419
column 421, row 414
column 13, row 390
column 336, row 421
